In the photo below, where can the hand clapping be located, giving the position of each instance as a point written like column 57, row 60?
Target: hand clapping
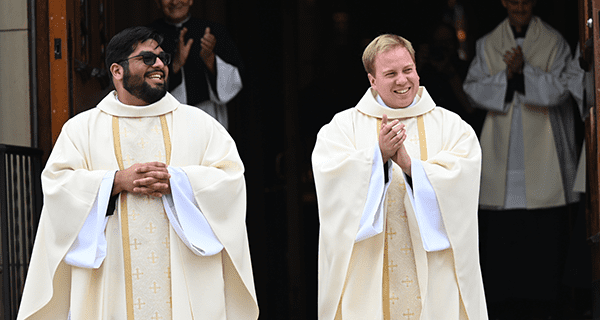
column 183, row 51
column 207, row 53
column 514, row 61
column 391, row 143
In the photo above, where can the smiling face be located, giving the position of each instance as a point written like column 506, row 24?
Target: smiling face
column 143, row 84
column 176, row 10
column 395, row 77
column 519, row 11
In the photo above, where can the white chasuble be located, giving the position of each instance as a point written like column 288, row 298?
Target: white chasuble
column 144, row 223
column 543, row 114
column 219, row 286
column 352, row 274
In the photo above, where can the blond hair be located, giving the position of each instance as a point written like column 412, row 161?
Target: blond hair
column 382, row 44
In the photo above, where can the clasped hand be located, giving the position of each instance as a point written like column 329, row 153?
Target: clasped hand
column 150, row 179
column 391, row 143
column 514, row 61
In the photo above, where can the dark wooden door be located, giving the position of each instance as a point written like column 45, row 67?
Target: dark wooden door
column 88, row 33
column 71, row 39
column 589, row 13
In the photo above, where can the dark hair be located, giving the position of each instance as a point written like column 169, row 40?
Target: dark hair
column 125, row 42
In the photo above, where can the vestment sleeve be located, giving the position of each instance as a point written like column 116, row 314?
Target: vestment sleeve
column 485, row 91
column 576, row 79
column 423, row 199
column 89, row 248
column 427, row 211
column 342, row 174
column 372, row 220
column 70, row 189
column 187, row 220
column 454, row 173
column 228, row 82
column 69, row 184
column 548, row 88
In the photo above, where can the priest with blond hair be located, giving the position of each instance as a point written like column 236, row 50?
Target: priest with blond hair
column 397, row 182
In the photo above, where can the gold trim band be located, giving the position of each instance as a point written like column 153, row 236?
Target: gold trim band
column 124, row 222
column 422, row 137
column 166, row 137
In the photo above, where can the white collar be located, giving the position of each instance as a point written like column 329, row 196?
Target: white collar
column 415, row 100
column 179, row 24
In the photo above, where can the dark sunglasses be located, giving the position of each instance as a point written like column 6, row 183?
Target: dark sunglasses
column 150, row 58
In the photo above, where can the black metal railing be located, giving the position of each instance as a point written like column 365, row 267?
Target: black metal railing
column 20, row 208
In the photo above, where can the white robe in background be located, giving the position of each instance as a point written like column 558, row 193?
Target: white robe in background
column 219, row 286
column 534, row 133
column 229, row 84
column 343, row 161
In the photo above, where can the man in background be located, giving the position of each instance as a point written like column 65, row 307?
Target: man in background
column 519, row 76
column 207, row 68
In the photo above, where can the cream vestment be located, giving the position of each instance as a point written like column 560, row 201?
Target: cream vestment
column 528, row 144
column 193, row 144
column 351, row 269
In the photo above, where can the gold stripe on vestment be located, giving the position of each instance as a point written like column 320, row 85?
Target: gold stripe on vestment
column 422, row 137
column 124, row 222
column 167, row 138
column 386, row 305
column 385, row 289
column 123, row 202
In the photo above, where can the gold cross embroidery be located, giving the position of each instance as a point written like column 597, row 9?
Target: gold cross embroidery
column 134, row 214
column 137, row 273
column 408, row 314
column 168, row 272
column 150, row 227
column 153, row 257
column 407, row 281
column 154, row 287
column 159, row 156
column 391, row 233
column 170, row 302
column 406, row 249
column 166, row 242
column 392, row 266
column 142, row 143
column 128, row 160
column 135, row 244
column 393, row 299
column 156, row 316
column 139, row 304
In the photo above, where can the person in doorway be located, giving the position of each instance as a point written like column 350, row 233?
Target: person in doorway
column 144, row 206
column 397, row 180
column 520, row 77
column 207, row 68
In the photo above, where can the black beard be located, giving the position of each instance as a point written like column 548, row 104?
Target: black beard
column 141, row 89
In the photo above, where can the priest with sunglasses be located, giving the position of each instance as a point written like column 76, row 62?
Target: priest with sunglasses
column 144, row 206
